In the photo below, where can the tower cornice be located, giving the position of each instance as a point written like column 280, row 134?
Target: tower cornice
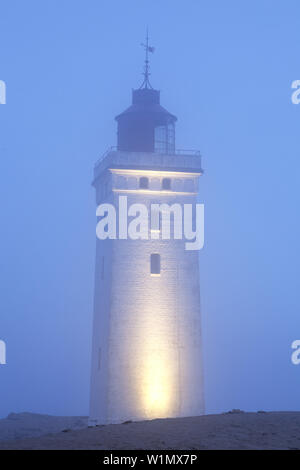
column 144, row 161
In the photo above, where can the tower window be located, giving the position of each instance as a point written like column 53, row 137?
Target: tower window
column 166, row 183
column 155, row 264
column 144, row 183
column 99, row 358
column 155, row 217
column 102, row 268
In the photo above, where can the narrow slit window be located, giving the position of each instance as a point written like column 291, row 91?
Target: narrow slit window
column 102, row 267
column 99, row 358
column 155, row 217
column 166, row 184
column 144, row 183
column 155, row 264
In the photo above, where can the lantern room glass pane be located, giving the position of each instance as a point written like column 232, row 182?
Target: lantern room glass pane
column 164, row 139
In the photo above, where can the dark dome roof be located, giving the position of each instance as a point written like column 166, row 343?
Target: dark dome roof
column 146, row 101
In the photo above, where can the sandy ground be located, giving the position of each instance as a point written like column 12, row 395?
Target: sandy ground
column 238, row 430
column 22, row 425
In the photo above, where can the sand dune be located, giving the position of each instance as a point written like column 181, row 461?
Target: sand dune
column 237, row 430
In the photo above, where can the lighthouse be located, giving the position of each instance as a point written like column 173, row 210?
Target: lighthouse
column 147, row 347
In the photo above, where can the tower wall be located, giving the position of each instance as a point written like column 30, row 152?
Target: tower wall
column 147, row 358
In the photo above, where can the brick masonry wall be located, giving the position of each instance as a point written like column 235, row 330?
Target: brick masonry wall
column 147, row 327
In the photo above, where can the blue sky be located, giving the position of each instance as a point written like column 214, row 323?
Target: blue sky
column 225, row 69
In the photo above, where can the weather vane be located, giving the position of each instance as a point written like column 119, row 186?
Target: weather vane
column 146, row 73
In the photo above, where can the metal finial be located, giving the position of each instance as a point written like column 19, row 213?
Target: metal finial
column 146, row 83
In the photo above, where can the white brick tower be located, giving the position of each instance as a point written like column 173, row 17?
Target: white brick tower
column 147, row 348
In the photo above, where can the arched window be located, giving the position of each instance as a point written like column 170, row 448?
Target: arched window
column 144, row 182
column 166, row 184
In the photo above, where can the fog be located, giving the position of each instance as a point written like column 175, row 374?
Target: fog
column 225, row 69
